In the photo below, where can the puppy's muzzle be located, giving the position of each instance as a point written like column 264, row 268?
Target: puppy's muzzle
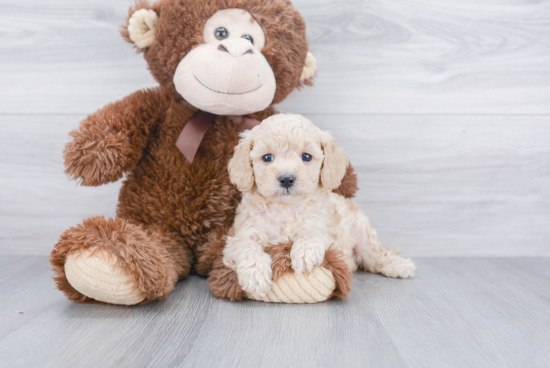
column 286, row 181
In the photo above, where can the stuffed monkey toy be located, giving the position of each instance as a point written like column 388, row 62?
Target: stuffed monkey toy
column 221, row 65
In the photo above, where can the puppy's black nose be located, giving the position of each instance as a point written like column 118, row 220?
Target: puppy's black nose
column 286, row 181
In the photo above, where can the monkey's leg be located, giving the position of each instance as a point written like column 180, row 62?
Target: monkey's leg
column 114, row 261
column 331, row 279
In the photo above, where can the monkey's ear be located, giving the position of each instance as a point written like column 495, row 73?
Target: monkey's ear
column 141, row 25
column 310, row 68
column 240, row 168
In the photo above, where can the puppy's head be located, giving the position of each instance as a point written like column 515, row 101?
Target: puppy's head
column 286, row 156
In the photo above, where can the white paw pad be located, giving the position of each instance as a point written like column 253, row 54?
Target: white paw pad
column 308, row 287
column 98, row 276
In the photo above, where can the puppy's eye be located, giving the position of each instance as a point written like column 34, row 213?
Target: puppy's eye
column 221, row 33
column 267, row 158
column 248, row 37
column 306, row 157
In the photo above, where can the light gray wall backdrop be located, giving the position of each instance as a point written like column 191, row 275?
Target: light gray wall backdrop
column 442, row 105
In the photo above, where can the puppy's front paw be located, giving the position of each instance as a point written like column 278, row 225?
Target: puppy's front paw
column 255, row 277
column 304, row 256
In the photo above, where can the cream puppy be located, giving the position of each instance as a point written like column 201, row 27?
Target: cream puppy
column 287, row 168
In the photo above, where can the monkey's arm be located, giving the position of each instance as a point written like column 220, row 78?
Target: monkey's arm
column 348, row 187
column 110, row 142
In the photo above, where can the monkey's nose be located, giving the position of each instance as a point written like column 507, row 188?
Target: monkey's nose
column 235, row 51
column 287, row 181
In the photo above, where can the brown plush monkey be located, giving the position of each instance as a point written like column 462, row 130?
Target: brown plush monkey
column 221, row 66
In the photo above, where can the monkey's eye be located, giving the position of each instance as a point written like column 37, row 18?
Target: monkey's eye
column 306, row 157
column 248, row 37
column 267, row 158
column 221, row 33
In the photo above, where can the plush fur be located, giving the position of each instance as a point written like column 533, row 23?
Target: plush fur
column 153, row 259
column 224, row 283
column 180, row 28
column 307, row 216
column 171, row 213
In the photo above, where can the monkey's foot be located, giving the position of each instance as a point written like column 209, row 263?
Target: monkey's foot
column 330, row 280
column 308, row 287
column 99, row 276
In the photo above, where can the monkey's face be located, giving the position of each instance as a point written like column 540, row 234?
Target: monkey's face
column 227, row 74
column 227, row 57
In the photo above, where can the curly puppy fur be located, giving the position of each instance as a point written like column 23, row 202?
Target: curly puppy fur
column 171, row 213
column 304, row 213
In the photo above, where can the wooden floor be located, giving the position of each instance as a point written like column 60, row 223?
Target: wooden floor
column 457, row 312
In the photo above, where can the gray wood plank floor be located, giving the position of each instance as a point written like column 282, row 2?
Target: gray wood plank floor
column 455, row 313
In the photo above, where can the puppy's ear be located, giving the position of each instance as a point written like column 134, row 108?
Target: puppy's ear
column 240, row 168
column 335, row 162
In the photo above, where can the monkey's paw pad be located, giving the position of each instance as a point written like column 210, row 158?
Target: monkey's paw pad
column 308, row 287
column 97, row 275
